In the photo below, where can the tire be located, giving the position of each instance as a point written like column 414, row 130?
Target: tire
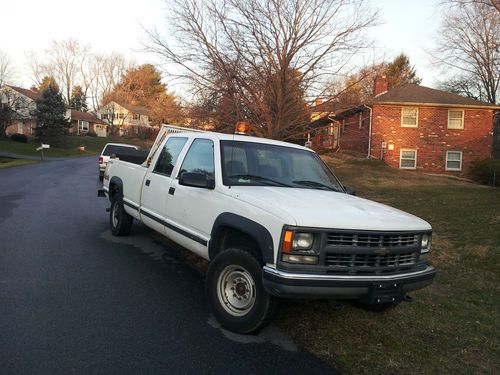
column 119, row 221
column 249, row 307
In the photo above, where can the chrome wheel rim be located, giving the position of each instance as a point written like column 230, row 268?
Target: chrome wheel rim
column 236, row 290
column 114, row 215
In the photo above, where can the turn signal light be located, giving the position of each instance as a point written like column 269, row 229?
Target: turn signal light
column 287, row 241
column 242, row 127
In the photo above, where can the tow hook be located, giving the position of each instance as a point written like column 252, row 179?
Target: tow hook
column 108, row 209
column 407, row 298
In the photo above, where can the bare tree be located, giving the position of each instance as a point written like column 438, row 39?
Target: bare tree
column 66, row 57
column 260, row 57
column 490, row 3
column 7, row 70
column 107, row 71
column 65, row 60
column 469, row 43
column 463, row 85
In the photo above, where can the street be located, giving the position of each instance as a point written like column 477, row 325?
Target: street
column 75, row 299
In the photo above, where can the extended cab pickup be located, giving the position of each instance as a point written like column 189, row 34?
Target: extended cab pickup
column 272, row 220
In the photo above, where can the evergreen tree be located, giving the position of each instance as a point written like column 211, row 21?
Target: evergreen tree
column 6, row 114
column 48, row 81
column 50, row 117
column 400, row 72
column 142, row 86
column 78, row 99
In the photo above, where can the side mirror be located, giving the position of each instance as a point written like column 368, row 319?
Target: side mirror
column 349, row 190
column 199, row 180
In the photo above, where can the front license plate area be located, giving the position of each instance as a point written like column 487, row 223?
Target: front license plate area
column 384, row 293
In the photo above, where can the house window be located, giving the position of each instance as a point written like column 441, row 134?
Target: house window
column 361, row 120
column 345, row 126
column 455, row 119
column 84, row 126
column 453, row 160
column 121, row 116
column 136, row 116
column 408, row 159
column 409, row 117
column 146, row 118
column 104, row 116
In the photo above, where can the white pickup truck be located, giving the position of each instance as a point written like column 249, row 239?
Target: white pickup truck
column 272, row 220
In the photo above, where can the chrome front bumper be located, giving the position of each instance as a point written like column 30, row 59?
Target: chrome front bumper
column 299, row 285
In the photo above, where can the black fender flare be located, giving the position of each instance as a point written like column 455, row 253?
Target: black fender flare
column 115, row 181
column 247, row 226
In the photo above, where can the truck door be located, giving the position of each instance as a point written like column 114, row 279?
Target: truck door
column 192, row 210
column 157, row 183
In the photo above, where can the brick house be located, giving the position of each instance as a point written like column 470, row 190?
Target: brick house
column 23, row 102
column 83, row 123
column 417, row 128
column 126, row 118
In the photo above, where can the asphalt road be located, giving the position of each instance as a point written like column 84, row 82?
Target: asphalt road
column 74, row 299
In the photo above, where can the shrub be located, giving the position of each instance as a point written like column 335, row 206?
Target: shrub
column 487, row 171
column 19, row 138
column 91, row 134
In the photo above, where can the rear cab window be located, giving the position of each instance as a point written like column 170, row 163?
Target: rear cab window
column 114, row 149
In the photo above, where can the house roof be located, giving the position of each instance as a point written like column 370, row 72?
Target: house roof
column 33, row 95
column 416, row 94
column 134, row 108
column 85, row 116
column 331, row 106
column 325, row 111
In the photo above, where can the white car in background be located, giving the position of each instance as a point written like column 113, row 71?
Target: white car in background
column 109, row 150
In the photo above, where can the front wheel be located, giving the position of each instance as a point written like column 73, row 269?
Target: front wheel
column 119, row 221
column 235, row 292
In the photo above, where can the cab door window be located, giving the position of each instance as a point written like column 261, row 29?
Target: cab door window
column 168, row 156
column 200, row 158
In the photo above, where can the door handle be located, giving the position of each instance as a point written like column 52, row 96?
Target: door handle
column 148, row 182
column 171, row 191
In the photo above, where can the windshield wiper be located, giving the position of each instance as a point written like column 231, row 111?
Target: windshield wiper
column 258, row 178
column 314, row 184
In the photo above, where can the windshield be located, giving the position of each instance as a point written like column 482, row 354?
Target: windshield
column 258, row 164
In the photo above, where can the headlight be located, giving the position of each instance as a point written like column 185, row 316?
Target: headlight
column 425, row 243
column 302, row 241
column 297, row 247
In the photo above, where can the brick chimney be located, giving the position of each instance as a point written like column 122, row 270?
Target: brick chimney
column 380, row 85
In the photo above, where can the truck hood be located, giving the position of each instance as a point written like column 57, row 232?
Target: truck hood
column 328, row 209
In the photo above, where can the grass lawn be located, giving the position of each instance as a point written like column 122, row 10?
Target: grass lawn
column 8, row 163
column 453, row 326
column 93, row 146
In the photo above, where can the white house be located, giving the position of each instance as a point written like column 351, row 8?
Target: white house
column 126, row 119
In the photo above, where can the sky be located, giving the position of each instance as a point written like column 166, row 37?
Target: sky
column 118, row 25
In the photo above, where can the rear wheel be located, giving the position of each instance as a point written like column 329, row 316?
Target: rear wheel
column 235, row 292
column 119, row 221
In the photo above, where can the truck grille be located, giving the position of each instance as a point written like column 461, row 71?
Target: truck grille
column 370, row 260
column 372, row 240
